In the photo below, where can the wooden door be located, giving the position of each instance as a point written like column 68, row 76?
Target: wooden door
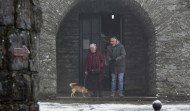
column 90, row 28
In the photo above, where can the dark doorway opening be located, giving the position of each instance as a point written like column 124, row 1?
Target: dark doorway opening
column 111, row 25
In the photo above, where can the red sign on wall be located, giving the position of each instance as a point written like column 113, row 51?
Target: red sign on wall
column 22, row 52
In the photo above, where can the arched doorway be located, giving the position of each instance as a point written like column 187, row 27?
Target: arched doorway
column 95, row 21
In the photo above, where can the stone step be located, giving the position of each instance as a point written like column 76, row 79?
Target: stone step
column 102, row 100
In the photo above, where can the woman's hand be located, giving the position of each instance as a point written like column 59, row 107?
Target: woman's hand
column 86, row 73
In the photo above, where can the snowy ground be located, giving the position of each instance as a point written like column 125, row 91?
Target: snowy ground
column 48, row 106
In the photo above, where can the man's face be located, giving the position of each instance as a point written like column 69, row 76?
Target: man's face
column 113, row 41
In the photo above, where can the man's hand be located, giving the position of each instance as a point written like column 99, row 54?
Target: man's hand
column 113, row 60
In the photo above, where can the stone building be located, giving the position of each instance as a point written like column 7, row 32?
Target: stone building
column 155, row 33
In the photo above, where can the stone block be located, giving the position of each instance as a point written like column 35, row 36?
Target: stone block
column 1, row 44
column 6, row 12
column 20, row 107
column 23, row 14
column 5, row 86
column 35, row 87
column 4, row 107
column 35, row 3
column 37, row 18
column 28, row 86
column 20, row 88
column 34, row 107
column 34, row 55
column 17, row 39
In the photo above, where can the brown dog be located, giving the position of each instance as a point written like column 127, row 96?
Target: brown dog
column 75, row 88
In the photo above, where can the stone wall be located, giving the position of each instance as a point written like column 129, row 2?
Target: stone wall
column 20, row 23
column 67, row 43
column 170, row 55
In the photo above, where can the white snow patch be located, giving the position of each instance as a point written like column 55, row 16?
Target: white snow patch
column 47, row 106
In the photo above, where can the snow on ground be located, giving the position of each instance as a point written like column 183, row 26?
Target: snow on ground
column 48, row 106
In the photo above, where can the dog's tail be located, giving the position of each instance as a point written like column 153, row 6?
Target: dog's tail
column 72, row 84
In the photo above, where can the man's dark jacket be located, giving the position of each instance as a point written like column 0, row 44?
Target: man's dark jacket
column 118, row 53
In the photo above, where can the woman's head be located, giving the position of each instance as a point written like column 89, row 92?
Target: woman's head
column 93, row 48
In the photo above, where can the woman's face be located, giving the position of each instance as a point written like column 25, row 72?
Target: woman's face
column 92, row 49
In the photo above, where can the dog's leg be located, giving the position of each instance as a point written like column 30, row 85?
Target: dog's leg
column 83, row 94
column 73, row 92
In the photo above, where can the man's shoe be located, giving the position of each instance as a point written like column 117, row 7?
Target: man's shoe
column 112, row 94
column 94, row 94
column 121, row 94
column 100, row 96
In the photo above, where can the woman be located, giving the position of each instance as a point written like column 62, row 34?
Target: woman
column 94, row 66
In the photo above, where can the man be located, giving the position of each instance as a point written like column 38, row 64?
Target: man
column 116, row 58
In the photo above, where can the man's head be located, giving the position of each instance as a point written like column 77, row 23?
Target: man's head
column 93, row 48
column 113, row 41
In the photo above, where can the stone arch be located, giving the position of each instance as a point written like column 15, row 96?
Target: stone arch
column 67, row 52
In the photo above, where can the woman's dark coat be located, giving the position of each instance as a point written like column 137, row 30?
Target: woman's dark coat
column 99, row 60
